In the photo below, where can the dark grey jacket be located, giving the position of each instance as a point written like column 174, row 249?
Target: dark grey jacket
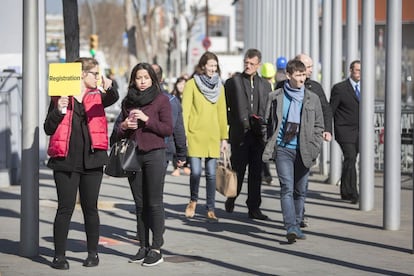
column 310, row 131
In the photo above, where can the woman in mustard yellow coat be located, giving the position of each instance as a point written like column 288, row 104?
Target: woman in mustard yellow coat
column 205, row 123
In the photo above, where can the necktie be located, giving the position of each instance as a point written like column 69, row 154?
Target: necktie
column 357, row 92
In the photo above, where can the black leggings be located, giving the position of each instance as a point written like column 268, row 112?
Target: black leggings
column 67, row 184
column 147, row 188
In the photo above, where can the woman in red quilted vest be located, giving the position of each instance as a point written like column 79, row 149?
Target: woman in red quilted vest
column 78, row 151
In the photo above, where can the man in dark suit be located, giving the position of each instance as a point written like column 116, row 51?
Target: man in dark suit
column 246, row 97
column 345, row 109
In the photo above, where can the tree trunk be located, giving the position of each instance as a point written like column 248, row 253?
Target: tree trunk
column 131, row 34
column 71, row 29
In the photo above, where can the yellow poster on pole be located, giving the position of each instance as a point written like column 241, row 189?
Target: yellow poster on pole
column 65, row 79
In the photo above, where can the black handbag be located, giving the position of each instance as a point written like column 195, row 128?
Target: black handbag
column 123, row 160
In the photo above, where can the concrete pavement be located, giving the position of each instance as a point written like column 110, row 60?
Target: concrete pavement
column 341, row 239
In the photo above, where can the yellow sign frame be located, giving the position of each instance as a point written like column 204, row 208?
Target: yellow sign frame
column 65, row 79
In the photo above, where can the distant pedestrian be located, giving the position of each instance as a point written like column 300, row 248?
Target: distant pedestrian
column 345, row 98
column 316, row 88
column 178, row 88
column 280, row 69
column 178, row 93
column 78, row 151
column 176, row 143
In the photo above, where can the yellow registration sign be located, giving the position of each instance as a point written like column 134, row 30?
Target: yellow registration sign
column 65, row 79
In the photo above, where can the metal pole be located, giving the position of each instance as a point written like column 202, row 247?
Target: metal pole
column 284, row 32
column 43, row 97
column 314, row 38
column 206, row 19
column 29, row 222
column 336, row 76
column 306, row 27
column 299, row 10
column 392, row 149
column 279, row 31
column 292, row 28
column 92, row 14
column 366, row 108
column 351, row 31
column 326, row 69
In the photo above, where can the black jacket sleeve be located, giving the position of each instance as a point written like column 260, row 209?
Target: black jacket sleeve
column 53, row 119
column 110, row 97
column 316, row 88
column 180, row 140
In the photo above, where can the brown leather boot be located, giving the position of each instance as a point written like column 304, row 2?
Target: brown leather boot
column 190, row 210
column 211, row 216
column 176, row 172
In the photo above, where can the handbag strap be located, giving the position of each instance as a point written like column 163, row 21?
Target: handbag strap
column 226, row 160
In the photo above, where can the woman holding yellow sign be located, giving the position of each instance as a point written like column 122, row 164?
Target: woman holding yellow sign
column 78, row 151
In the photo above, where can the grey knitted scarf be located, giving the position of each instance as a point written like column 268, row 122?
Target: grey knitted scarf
column 209, row 87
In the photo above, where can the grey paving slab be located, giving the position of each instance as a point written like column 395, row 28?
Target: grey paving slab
column 341, row 239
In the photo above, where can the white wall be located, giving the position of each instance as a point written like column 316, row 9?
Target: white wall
column 11, row 33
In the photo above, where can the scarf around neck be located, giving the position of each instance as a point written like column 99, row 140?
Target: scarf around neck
column 209, row 87
column 136, row 98
column 296, row 96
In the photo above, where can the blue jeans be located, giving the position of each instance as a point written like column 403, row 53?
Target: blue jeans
column 210, row 172
column 293, row 178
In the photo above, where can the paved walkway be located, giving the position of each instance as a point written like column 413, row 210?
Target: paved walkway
column 341, row 239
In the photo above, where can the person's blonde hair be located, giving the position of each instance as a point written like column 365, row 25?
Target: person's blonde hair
column 87, row 63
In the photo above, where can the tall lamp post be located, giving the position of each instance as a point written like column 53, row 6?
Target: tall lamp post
column 206, row 41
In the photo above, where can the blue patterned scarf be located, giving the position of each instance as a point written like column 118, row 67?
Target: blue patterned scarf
column 293, row 119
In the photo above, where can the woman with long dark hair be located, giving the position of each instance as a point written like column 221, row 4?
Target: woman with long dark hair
column 146, row 118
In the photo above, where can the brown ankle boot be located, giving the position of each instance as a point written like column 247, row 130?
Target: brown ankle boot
column 211, row 216
column 190, row 210
column 176, row 172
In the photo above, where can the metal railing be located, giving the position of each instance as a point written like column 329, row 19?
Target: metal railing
column 407, row 124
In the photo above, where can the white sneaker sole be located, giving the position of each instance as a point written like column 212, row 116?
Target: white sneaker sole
column 153, row 264
column 135, row 261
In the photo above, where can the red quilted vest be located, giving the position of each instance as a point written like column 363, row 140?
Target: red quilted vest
column 97, row 125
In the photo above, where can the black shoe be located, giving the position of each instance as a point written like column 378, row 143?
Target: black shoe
column 291, row 234
column 354, row 200
column 268, row 180
column 91, row 261
column 229, row 205
column 294, row 233
column 304, row 223
column 140, row 256
column 153, row 258
column 257, row 214
column 60, row 263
